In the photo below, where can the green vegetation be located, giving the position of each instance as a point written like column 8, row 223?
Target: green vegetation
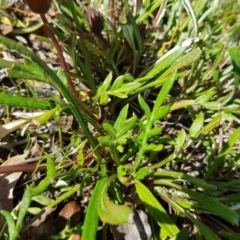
column 153, row 90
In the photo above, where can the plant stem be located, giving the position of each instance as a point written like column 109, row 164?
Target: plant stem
column 59, row 51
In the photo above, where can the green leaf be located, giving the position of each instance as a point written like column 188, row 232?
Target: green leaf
column 25, row 204
column 43, row 200
column 142, row 173
column 110, row 212
column 221, row 157
column 128, row 125
column 34, row 210
column 128, row 88
column 196, row 126
column 187, row 5
column 110, row 130
column 203, row 229
column 210, row 204
column 184, row 234
column 181, row 138
column 156, row 210
column 212, row 124
column 41, row 187
column 128, row 34
column 144, row 106
column 43, row 118
column 165, row 62
column 149, row 147
column 182, row 104
column 106, row 140
column 167, row 86
column 136, row 33
column 185, row 177
column 161, row 113
column 56, row 82
column 5, row 63
column 19, row 101
column 234, row 53
column 51, row 168
column 22, row 71
column 101, row 92
column 91, row 219
column 155, row 131
column 13, row 233
column 205, row 96
column 120, row 80
column 121, row 118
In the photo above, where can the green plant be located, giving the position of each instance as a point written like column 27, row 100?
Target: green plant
column 163, row 109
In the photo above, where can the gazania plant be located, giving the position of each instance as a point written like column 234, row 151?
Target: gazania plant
column 143, row 97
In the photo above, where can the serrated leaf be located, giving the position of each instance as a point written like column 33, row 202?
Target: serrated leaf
column 196, row 126
column 110, row 212
column 144, row 106
column 156, row 210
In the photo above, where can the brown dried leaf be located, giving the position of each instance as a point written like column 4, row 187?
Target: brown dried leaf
column 12, row 126
column 71, row 211
column 8, row 182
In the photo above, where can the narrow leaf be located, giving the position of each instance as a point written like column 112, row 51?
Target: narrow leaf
column 196, row 126
column 91, row 219
column 212, row 124
column 144, row 107
column 167, row 86
column 156, row 210
column 121, row 118
column 13, row 233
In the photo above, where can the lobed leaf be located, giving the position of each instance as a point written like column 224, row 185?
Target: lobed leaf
column 110, row 212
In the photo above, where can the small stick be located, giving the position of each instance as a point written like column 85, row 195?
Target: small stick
column 59, row 51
